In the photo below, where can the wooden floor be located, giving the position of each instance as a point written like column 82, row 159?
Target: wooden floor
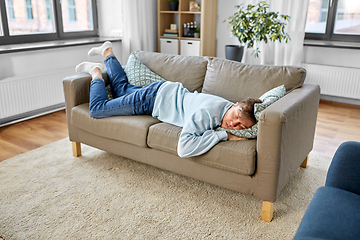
column 30, row 134
column 336, row 124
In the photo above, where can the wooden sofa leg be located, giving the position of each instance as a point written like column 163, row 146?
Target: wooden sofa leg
column 267, row 211
column 76, row 147
column 304, row 164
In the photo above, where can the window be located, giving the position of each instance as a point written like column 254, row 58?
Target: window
column 49, row 13
column 77, row 15
column 333, row 20
column 11, row 9
column 72, row 10
column 23, row 21
column 29, row 10
column 31, row 18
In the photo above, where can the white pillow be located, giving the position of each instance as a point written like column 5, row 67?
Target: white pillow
column 268, row 98
column 138, row 74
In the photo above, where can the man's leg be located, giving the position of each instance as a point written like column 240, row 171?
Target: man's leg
column 137, row 102
column 128, row 99
column 118, row 81
column 98, row 94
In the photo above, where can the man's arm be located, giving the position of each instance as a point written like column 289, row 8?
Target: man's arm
column 194, row 144
column 198, row 136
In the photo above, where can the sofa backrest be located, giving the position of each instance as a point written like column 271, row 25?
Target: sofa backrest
column 190, row 71
column 235, row 81
column 228, row 79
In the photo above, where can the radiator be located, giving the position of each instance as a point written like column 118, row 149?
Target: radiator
column 334, row 81
column 21, row 95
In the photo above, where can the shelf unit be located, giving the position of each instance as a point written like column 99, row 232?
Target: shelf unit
column 207, row 17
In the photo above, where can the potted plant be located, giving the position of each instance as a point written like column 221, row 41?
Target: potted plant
column 174, row 5
column 252, row 24
column 197, row 33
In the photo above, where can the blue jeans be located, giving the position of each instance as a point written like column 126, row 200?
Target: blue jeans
column 128, row 99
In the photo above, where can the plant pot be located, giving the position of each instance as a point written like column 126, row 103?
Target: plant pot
column 174, row 6
column 234, row 52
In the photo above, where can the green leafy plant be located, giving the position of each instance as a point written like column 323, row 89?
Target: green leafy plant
column 173, row 0
column 253, row 23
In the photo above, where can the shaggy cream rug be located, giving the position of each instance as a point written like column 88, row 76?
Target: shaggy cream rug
column 49, row 194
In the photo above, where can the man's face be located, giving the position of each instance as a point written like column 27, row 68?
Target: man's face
column 233, row 119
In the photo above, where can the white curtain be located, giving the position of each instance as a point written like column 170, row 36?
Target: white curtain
column 283, row 53
column 139, row 26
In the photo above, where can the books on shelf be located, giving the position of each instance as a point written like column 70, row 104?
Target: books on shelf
column 171, row 33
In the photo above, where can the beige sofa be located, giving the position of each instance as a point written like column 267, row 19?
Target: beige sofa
column 261, row 167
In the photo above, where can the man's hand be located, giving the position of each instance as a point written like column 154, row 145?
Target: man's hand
column 232, row 137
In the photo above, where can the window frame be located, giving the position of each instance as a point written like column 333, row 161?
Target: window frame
column 329, row 34
column 59, row 33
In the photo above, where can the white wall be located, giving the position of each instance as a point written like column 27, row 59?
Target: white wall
column 226, row 8
column 332, row 56
column 21, row 64
column 110, row 18
column 315, row 55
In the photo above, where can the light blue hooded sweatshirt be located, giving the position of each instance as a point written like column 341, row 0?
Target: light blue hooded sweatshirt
column 197, row 113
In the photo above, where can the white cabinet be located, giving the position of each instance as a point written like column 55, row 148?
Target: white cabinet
column 169, row 46
column 190, row 47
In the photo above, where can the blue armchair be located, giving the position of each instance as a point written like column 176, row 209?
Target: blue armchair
column 334, row 211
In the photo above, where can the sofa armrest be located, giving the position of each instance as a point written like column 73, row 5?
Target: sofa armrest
column 77, row 92
column 77, row 88
column 344, row 169
column 285, row 138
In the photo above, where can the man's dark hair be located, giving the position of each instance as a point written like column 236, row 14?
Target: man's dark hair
column 246, row 108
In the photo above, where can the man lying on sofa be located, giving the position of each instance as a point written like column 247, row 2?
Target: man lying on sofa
column 197, row 113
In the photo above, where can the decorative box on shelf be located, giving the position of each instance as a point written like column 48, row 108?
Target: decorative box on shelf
column 194, row 6
column 189, row 32
column 169, row 46
column 189, row 29
column 190, row 47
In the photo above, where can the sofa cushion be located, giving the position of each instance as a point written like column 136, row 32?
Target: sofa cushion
column 235, row 81
column 234, row 156
column 189, row 70
column 138, row 74
column 129, row 129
